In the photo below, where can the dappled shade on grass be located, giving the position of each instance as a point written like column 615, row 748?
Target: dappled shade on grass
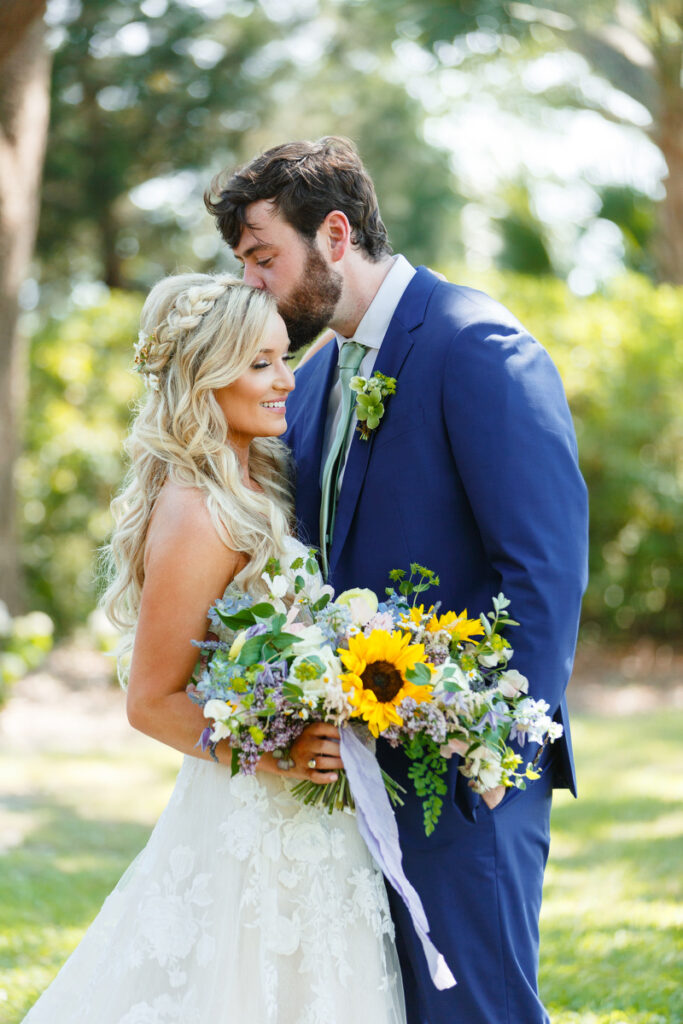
column 608, row 952
column 612, row 896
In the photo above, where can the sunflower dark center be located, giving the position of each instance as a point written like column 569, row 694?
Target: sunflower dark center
column 383, row 679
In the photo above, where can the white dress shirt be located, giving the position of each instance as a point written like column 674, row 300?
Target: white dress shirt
column 370, row 332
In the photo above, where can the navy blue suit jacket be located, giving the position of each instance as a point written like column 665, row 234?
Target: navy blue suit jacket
column 472, row 472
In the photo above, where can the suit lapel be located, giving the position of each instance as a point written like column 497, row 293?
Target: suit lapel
column 312, row 405
column 395, row 347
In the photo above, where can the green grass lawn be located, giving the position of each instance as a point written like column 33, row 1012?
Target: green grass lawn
column 609, row 941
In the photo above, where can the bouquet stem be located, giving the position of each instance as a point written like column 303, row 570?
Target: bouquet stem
column 337, row 796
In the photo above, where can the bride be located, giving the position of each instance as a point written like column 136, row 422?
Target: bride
column 245, row 906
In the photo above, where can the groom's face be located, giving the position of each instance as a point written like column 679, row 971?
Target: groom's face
column 293, row 269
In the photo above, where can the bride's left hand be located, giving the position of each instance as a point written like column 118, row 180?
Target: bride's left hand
column 315, row 754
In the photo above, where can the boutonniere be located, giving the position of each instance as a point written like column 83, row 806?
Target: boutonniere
column 370, row 392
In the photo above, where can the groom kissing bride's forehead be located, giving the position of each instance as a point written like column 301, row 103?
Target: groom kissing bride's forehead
column 304, row 222
column 473, row 472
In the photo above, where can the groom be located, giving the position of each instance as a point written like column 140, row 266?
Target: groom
column 472, row 471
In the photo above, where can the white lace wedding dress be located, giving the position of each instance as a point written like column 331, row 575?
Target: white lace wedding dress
column 245, row 907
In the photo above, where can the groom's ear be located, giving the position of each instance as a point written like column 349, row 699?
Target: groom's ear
column 336, row 234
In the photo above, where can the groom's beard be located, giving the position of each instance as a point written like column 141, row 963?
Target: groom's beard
column 309, row 307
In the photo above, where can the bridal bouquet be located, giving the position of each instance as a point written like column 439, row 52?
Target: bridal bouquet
column 432, row 682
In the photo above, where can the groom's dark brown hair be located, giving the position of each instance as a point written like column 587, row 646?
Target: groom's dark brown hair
column 305, row 181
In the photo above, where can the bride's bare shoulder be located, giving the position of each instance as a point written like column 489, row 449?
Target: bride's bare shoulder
column 181, row 521
column 179, row 505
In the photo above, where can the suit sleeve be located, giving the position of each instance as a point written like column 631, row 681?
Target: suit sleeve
column 513, row 442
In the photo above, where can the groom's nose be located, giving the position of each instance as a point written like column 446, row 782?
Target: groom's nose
column 251, row 276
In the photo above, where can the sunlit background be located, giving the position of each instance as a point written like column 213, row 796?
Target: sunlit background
column 534, row 150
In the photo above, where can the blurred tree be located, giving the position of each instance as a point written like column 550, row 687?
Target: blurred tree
column 636, row 216
column 81, row 393
column 24, row 71
column 161, row 92
column 523, row 245
column 139, row 92
column 637, row 45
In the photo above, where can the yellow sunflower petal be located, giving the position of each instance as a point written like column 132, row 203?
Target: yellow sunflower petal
column 422, row 694
column 378, row 715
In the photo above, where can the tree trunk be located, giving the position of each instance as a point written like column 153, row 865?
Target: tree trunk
column 24, row 108
column 669, row 138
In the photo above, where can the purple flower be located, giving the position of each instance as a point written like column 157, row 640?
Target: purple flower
column 256, row 630
column 490, row 718
column 205, row 738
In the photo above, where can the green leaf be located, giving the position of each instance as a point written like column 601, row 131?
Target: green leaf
column 419, row 675
column 291, row 691
column 263, row 610
column 238, row 620
column 277, row 624
column 251, row 651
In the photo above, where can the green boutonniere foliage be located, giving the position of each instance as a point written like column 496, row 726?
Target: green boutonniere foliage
column 370, row 395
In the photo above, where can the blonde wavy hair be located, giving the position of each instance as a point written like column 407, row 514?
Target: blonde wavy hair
column 199, row 332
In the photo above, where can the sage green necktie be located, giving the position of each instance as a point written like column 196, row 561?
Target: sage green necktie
column 350, row 357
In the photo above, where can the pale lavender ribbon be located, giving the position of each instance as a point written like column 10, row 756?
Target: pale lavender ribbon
column 377, row 825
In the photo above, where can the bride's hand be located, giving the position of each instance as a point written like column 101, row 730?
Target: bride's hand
column 319, row 743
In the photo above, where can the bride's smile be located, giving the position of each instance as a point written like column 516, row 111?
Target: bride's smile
column 254, row 405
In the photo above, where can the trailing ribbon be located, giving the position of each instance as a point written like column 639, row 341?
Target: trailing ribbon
column 377, row 825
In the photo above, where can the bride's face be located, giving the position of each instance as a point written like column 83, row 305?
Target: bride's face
column 254, row 404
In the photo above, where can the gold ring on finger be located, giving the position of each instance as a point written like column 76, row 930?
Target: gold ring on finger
column 312, row 763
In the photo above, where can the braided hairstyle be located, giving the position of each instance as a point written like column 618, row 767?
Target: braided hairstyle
column 199, row 332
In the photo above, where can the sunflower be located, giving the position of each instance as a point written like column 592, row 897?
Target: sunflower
column 376, row 676
column 415, row 615
column 459, row 626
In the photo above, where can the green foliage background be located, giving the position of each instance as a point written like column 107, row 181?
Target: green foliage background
column 620, row 355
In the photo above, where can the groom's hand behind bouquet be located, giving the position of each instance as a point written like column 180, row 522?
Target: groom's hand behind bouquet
column 492, row 797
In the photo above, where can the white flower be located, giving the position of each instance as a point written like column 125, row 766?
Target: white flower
column 451, row 673
column 218, row 709
column 315, row 589
column 492, row 659
column 484, row 767
column 221, row 711
column 512, row 683
column 555, row 730
column 328, row 667
column 309, row 640
column 382, row 620
column 277, row 585
column 362, row 604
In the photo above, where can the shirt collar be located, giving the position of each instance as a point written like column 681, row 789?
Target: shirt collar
column 372, row 328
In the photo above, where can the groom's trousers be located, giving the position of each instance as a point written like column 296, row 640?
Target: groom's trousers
column 481, row 884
